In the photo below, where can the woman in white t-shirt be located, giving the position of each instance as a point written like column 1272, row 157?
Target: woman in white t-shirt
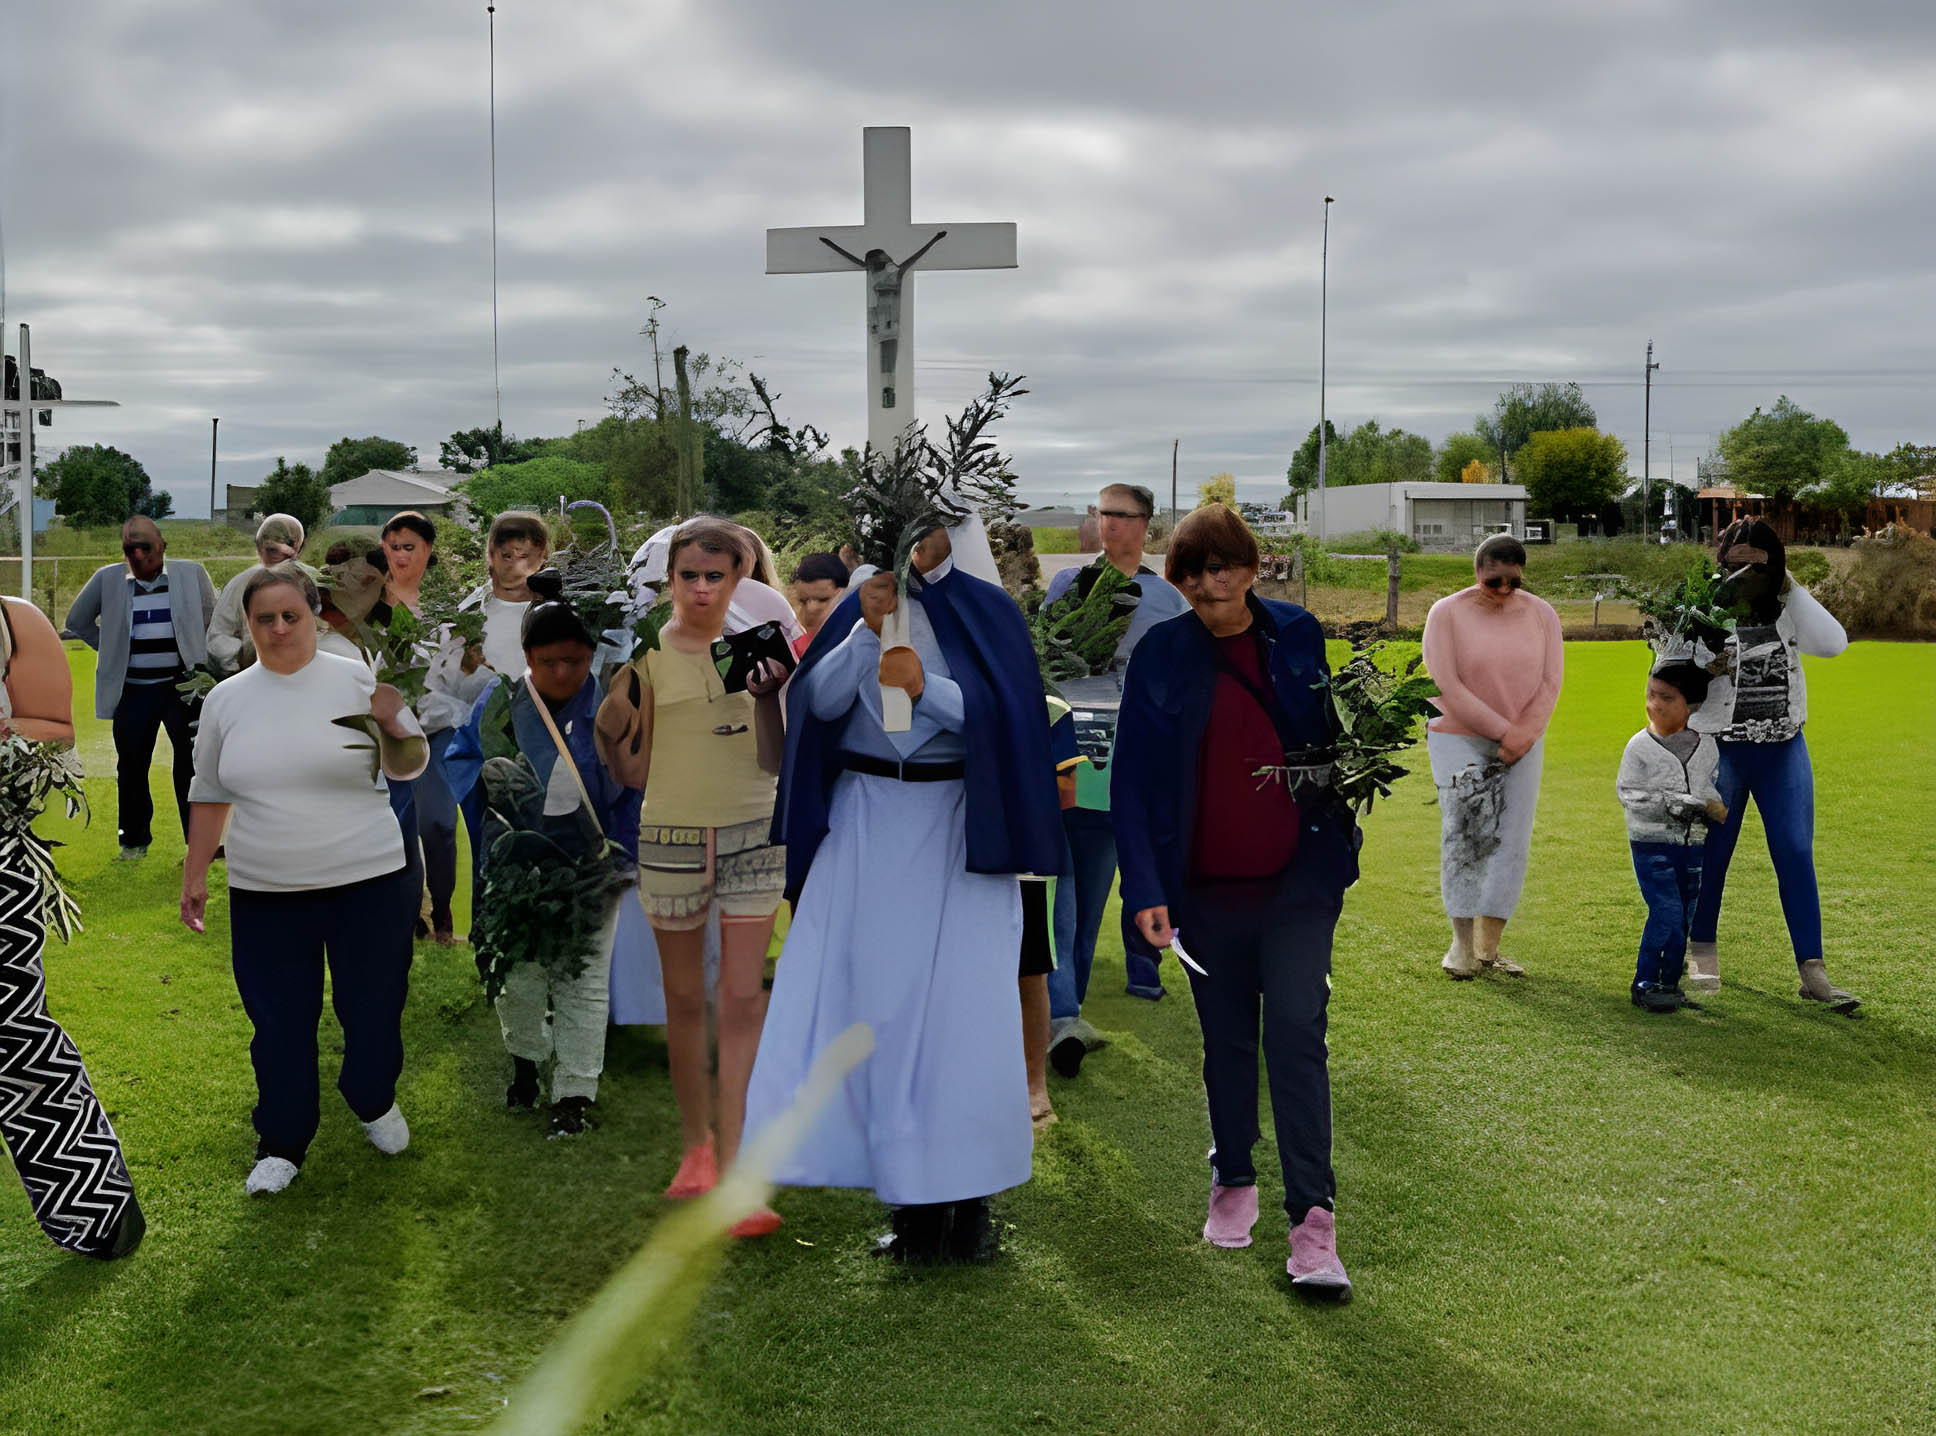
column 316, row 868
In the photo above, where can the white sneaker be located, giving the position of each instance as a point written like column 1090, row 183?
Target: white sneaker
column 389, row 1133
column 270, row 1175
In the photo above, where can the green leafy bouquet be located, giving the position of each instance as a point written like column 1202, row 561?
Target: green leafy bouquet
column 1378, row 710
column 32, row 772
column 548, row 880
column 1697, row 609
column 1077, row 635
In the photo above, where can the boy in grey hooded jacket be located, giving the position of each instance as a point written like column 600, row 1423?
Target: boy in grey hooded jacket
column 1666, row 784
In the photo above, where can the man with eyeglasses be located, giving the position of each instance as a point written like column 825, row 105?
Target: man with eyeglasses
column 1124, row 513
column 147, row 618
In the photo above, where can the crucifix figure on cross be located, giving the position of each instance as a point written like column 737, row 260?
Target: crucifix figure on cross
column 887, row 230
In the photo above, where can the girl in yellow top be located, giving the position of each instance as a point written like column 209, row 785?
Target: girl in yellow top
column 670, row 727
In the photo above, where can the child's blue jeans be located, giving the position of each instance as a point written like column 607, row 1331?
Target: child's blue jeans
column 1670, row 881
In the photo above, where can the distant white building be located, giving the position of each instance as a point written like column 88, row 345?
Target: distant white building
column 1448, row 516
column 371, row 498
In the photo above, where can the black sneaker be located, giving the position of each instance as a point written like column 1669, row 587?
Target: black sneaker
column 917, row 1236
column 1066, row 1055
column 1658, row 997
column 971, row 1231
column 523, row 1091
column 571, row 1116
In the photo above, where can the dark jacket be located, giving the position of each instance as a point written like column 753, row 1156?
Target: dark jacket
column 1167, row 694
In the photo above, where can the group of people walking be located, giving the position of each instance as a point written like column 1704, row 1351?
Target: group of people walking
column 894, row 771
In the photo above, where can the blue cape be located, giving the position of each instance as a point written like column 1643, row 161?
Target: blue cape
column 1014, row 819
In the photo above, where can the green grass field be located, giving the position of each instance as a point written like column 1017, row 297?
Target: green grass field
column 1563, row 1215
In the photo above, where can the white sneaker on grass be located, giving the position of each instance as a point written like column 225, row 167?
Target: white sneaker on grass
column 389, row 1133
column 270, row 1175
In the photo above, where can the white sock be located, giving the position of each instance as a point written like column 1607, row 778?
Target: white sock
column 269, row 1175
column 389, row 1133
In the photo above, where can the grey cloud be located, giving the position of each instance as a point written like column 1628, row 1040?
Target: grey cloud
column 278, row 214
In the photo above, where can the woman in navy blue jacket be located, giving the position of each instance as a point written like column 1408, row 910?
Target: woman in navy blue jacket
column 1240, row 867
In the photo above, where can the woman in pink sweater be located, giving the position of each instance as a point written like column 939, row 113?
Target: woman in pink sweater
column 1495, row 652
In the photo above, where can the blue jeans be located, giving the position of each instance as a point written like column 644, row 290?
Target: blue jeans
column 1079, row 906
column 437, row 825
column 1781, row 782
column 1670, row 881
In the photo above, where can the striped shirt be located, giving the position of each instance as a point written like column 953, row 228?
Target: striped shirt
column 153, row 656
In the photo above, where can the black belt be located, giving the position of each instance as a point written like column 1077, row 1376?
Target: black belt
column 904, row 771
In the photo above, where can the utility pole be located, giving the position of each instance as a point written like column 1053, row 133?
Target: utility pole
column 1175, row 444
column 1646, row 440
column 214, row 425
column 1324, row 310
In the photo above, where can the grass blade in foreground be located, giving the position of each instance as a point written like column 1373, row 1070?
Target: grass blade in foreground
column 609, row 1347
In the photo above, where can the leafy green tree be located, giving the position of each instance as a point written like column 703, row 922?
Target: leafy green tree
column 352, row 458
column 1572, row 473
column 1369, row 454
column 1217, row 489
column 469, row 450
column 1783, row 451
column 1303, row 472
column 296, row 490
column 535, row 484
column 99, row 486
column 1460, row 450
column 1914, row 467
column 1525, row 410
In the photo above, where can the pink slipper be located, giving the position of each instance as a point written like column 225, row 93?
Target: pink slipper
column 762, row 1223
column 1233, row 1212
column 1314, row 1264
column 698, row 1172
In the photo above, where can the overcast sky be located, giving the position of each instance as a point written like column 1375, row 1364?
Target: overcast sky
column 279, row 213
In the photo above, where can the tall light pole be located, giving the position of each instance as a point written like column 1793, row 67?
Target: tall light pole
column 213, row 426
column 1646, row 440
column 1324, row 311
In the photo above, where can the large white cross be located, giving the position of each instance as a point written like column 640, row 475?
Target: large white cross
column 885, row 248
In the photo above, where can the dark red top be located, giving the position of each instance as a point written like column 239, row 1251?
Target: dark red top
column 1246, row 826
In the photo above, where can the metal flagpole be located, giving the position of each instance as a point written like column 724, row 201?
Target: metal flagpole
column 1324, row 309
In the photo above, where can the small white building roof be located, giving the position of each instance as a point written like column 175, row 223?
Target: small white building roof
column 396, row 486
column 1432, row 489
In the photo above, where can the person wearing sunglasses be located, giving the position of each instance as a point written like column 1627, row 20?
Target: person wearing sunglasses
column 147, row 618
column 1495, row 652
column 1124, row 512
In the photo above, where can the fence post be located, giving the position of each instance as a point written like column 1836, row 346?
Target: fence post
column 1297, row 575
column 1391, row 584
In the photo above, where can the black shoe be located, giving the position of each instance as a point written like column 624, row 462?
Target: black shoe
column 523, row 1091
column 971, row 1231
column 1066, row 1055
column 1656, row 997
column 917, row 1236
column 123, row 1237
column 570, row 1116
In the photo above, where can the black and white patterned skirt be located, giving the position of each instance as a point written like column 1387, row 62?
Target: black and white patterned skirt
column 60, row 1139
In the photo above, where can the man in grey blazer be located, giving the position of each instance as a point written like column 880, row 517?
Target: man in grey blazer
column 148, row 620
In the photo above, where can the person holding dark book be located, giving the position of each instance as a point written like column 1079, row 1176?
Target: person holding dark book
column 1124, row 513
column 1241, row 871
column 694, row 724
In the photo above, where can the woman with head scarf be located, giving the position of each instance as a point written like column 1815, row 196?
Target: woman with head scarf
column 1755, row 708
column 278, row 538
